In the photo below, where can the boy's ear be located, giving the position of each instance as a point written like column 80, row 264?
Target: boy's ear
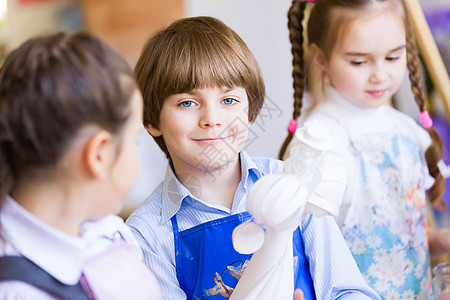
column 318, row 57
column 155, row 132
column 99, row 153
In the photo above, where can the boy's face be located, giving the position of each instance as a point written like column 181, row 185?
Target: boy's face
column 204, row 129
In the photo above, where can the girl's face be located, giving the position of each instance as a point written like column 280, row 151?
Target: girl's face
column 368, row 65
column 204, row 129
column 126, row 161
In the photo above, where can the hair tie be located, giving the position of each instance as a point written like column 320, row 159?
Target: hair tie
column 312, row 1
column 425, row 119
column 292, row 126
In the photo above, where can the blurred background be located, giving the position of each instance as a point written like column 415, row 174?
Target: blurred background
column 126, row 24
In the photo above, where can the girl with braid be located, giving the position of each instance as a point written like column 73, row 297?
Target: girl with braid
column 358, row 53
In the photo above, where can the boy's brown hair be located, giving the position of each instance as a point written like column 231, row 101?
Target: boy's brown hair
column 191, row 53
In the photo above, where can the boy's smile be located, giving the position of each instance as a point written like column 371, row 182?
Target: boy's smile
column 204, row 129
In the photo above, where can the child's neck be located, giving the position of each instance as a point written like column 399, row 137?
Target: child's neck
column 54, row 205
column 214, row 186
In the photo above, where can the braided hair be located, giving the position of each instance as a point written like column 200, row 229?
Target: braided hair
column 327, row 19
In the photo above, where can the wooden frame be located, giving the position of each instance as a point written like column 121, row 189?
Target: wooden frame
column 428, row 48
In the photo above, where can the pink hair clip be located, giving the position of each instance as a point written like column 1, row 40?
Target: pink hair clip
column 292, row 126
column 312, row 1
column 425, row 119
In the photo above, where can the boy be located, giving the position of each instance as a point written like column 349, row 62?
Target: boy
column 202, row 89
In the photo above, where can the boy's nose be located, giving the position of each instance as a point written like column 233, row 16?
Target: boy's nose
column 210, row 117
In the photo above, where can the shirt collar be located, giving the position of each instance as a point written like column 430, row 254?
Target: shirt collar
column 174, row 192
column 172, row 195
column 41, row 243
column 348, row 113
column 59, row 254
column 248, row 168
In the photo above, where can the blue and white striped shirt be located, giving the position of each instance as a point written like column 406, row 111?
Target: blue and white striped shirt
column 332, row 267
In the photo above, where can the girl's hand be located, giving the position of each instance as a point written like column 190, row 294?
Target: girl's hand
column 298, row 295
column 439, row 242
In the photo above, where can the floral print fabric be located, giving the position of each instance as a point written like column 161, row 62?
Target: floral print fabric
column 385, row 228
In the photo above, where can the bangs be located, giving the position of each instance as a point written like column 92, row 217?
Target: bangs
column 218, row 62
column 196, row 53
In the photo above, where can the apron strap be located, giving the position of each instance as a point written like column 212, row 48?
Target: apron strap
column 176, row 239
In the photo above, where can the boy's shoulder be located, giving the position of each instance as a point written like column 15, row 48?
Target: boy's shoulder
column 150, row 209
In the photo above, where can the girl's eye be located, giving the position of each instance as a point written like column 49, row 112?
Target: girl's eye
column 357, row 62
column 392, row 58
column 186, row 104
column 229, row 101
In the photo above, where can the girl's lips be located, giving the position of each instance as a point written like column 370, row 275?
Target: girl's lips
column 377, row 93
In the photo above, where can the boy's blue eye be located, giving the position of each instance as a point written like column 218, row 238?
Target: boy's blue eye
column 229, row 101
column 186, row 103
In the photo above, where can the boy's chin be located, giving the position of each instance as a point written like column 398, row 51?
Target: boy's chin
column 218, row 165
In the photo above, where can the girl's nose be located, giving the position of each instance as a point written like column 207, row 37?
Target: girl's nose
column 378, row 74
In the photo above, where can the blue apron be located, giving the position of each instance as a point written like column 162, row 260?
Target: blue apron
column 208, row 267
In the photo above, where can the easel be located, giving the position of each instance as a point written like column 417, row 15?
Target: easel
column 436, row 67
column 430, row 52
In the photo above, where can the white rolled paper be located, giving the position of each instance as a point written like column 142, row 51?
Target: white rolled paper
column 310, row 183
column 277, row 202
